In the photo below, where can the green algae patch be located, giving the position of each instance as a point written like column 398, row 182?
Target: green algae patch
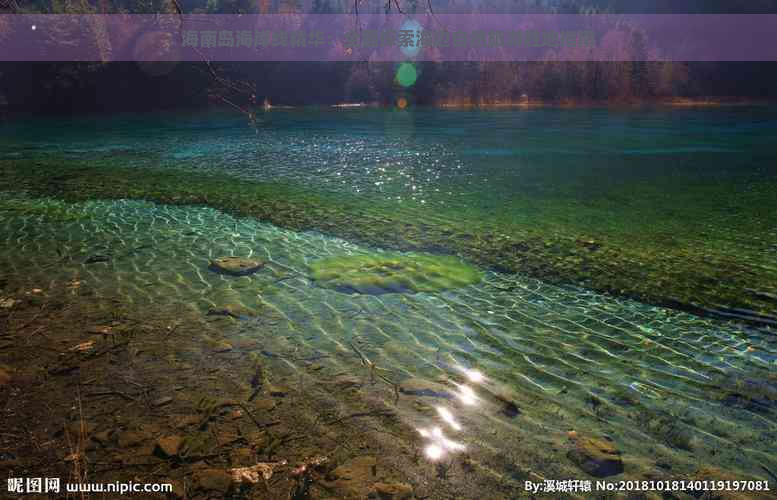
column 393, row 273
column 46, row 209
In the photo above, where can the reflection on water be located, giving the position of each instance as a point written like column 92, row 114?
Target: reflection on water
column 467, row 158
column 509, row 364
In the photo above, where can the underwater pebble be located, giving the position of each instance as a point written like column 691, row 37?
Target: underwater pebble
column 354, row 478
column 213, row 480
column 186, row 421
column 422, row 407
column 168, row 446
column 252, row 474
column 231, row 310
column 346, row 382
column 399, row 491
column 510, row 409
column 94, row 259
column 102, row 437
column 264, row 404
column 277, row 391
column 7, row 303
column 356, row 468
column 241, row 457
column 596, row 457
column 179, row 491
column 222, row 346
column 258, row 439
column 235, row 266
column 129, row 439
column 162, row 401
column 5, row 377
column 100, row 330
column 424, row 388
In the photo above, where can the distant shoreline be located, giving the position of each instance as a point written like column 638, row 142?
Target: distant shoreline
column 709, row 102
column 571, row 103
column 683, row 102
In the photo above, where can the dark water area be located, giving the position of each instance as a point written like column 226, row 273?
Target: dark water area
column 524, row 357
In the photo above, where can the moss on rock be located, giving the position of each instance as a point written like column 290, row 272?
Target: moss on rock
column 235, row 266
column 393, row 273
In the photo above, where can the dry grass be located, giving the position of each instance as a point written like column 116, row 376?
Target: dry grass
column 77, row 447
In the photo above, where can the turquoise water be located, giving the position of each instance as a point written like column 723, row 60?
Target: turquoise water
column 666, row 387
column 692, row 174
column 430, row 156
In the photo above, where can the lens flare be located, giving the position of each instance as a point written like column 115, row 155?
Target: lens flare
column 439, row 445
column 474, row 376
column 467, row 396
column 406, row 74
column 452, row 445
column 448, row 417
column 413, row 26
column 434, row 452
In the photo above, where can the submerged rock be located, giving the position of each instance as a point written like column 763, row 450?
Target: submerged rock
column 129, row 439
column 100, row 330
column 232, row 310
column 252, row 475
column 161, row 401
column 102, row 437
column 596, row 457
column 95, row 259
column 510, row 409
column 242, row 457
column 759, row 396
column 354, row 479
column 213, row 480
column 394, row 491
column 5, row 377
column 712, row 474
column 235, row 266
column 264, row 404
column 277, row 391
column 424, row 388
column 221, row 346
column 393, row 273
column 8, row 302
column 183, row 421
column 344, row 382
column 168, row 446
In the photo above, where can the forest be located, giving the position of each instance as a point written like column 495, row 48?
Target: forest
column 94, row 86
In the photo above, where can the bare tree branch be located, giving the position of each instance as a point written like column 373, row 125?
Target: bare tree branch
column 247, row 88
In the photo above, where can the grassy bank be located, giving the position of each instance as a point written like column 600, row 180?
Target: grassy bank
column 682, row 264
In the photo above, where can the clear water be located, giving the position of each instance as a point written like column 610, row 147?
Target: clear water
column 663, row 385
column 691, row 176
column 427, row 155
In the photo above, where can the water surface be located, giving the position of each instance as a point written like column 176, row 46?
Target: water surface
column 665, row 386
